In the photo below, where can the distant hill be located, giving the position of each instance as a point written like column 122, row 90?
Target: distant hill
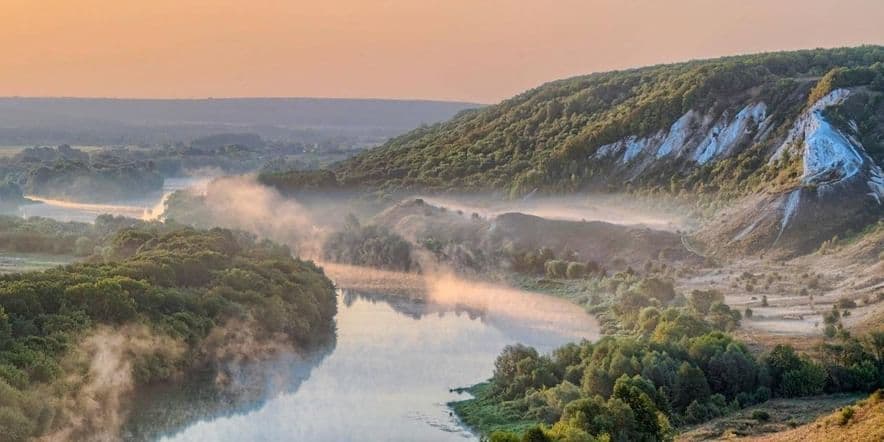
column 796, row 137
column 710, row 123
column 85, row 121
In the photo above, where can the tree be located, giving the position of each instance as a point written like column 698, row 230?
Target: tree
column 641, row 396
column 589, row 414
column 809, row 379
column 575, row 270
column 660, row 289
column 780, row 360
column 702, row 300
column 556, row 268
column 691, row 386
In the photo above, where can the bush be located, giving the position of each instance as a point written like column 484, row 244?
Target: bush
column 576, row 270
column 845, row 303
column 15, row 426
column 761, row 415
column 374, row 246
column 845, row 415
column 556, row 268
column 808, row 380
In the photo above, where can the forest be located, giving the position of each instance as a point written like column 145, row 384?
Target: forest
column 669, row 361
column 179, row 282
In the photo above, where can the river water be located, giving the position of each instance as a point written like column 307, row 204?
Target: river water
column 403, row 342
column 148, row 207
column 388, row 375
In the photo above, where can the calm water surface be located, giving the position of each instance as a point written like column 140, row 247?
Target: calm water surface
column 387, row 377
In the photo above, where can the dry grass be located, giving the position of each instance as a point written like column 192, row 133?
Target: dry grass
column 864, row 424
column 784, row 415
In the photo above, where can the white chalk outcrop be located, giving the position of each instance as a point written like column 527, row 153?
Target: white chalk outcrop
column 697, row 138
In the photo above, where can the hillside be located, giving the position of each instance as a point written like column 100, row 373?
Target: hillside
column 791, row 142
column 673, row 126
column 861, row 422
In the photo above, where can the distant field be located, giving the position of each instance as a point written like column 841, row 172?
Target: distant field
column 8, row 151
column 11, row 262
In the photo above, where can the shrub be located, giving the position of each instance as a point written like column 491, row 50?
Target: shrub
column 845, row 415
column 761, row 415
column 575, row 270
column 556, row 268
column 845, row 303
column 808, row 380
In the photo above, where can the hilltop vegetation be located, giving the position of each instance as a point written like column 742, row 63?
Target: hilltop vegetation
column 181, row 284
column 546, row 138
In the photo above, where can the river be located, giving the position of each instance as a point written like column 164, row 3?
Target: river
column 387, row 377
column 403, row 342
column 148, row 207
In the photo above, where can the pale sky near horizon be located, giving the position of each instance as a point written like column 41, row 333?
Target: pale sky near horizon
column 470, row 50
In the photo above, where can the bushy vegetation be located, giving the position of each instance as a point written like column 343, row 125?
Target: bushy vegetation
column 668, row 362
column 372, row 245
column 179, row 282
column 544, row 262
column 46, row 235
column 544, row 138
column 68, row 173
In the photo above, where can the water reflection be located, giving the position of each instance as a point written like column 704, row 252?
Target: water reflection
column 167, row 409
column 388, row 377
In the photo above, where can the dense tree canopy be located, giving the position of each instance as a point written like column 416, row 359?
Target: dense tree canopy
column 179, row 282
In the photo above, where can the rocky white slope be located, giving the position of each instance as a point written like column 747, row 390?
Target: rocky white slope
column 840, row 186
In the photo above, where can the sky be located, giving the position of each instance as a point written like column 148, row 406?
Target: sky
column 466, row 50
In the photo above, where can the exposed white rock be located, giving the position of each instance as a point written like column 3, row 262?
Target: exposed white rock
column 876, row 184
column 726, row 134
column 629, row 147
column 747, row 230
column 678, row 135
column 607, row 150
column 633, row 147
column 829, row 155
column 798, row 131
column 789, row 207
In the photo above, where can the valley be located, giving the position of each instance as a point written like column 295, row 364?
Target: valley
column 692, row 251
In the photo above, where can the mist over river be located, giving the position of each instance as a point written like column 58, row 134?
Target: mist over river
column 403, row 342
column 388, row 375
column 148, row 207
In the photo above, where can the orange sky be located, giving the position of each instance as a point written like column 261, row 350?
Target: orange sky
column 474, row 50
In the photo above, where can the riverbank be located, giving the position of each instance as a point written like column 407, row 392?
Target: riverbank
column 79, row 339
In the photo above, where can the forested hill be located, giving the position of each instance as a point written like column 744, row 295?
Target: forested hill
column 711, row 125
